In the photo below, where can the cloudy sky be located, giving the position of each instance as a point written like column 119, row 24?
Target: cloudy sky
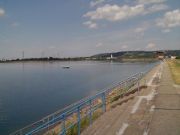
column 85, row 27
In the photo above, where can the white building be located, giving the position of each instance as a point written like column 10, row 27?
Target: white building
column 111, row 57
column 173, row 57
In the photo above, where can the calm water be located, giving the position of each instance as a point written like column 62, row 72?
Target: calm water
column 30, row 91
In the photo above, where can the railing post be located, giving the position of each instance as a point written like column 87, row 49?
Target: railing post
column 104, row 102
column 138, row 84
column 53, row 122
column 48, row 125
column 90, row 114
column 79, row 120
column 63, row 126
column 138, row 87
column 145, row 82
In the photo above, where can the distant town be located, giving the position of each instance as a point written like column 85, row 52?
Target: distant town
column 119, row 56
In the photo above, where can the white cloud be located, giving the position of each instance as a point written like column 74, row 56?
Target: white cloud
column 150, row 1
column 2, row 12
column 124, row 47
column 91, row 24
column 99, row 44
column 115, row 12
column 156, row 8
column 15, row 24
column 151, row 46
column 166, row 30
column 140, row 29
column 171, row 19
column 96, row 2
column 52, row 47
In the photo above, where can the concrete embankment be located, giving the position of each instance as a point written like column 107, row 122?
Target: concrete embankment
column 153, row 110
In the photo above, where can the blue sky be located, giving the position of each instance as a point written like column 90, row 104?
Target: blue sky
column 69, row 28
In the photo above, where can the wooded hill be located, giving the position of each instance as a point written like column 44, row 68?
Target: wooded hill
column 137, row 54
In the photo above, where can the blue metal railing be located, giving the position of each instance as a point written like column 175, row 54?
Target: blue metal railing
column 71, row 117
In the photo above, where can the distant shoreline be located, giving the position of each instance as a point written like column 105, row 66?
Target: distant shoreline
column 84, row 59
column 122, row 56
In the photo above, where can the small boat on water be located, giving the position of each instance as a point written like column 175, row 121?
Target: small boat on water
column 65, row 67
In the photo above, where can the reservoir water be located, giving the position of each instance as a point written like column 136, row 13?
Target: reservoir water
column 32, row 90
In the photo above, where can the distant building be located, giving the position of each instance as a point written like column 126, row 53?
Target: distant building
column 111, row 57
column 87, row 58
column 3, row 60
column 160, row 55
column 173, row 57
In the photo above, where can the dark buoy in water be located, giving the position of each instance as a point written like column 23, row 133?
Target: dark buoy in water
column 65, row 67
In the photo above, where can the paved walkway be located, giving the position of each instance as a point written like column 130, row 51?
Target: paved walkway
column 166, row 118
column 153, row 111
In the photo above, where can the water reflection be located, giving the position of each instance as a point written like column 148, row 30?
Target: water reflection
column 32, row 90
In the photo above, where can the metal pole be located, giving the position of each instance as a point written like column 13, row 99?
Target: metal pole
column 138, row 87
column 63, row 126
column 138, row 84
column 48, row 125
column 53, row 123
column 79, row 121
column 90, row 114
column 145, row 81
column 104, row 102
